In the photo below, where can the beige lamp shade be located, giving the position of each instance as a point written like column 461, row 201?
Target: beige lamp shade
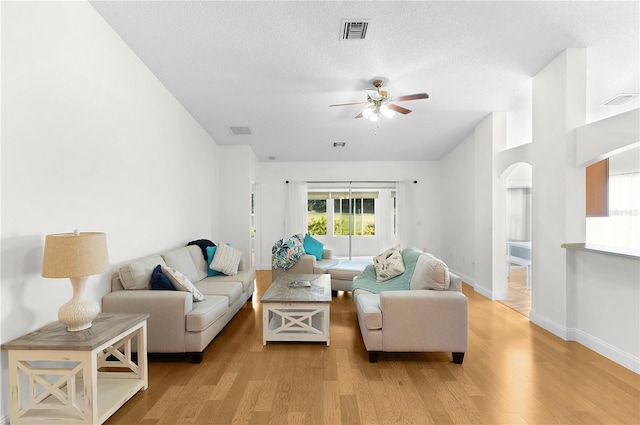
column 75, row 255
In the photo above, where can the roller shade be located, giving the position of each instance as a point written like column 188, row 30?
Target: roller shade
column 316, row 196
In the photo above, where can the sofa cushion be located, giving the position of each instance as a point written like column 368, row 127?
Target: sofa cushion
column 245, row 277
column 226, row 259
column 160, row 281
column 182, row 283
column 137, row 274
column 285, row 252
column 325, row 265
column 204, row 314
column 313, row 246
column 231, row 290
column 389, row 264
column 181, row 260
column 368, row 307
column 202, row 265
column 430, row 273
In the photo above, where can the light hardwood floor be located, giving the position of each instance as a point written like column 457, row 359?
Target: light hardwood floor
column 513, row 373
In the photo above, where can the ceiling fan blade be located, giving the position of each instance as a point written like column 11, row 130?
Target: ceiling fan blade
column 412, row 97
column 373, row 94
column 359, row 115
column 398, row 109
column 347, row 104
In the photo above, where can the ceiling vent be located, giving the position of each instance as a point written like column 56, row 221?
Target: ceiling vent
column 354, row 29
column 620, row 99
column 339, row 144
column 240, row 130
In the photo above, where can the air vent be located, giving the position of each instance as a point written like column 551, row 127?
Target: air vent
column 620, row 99
column 355, row 29
column 339, row 144
column 240, row 130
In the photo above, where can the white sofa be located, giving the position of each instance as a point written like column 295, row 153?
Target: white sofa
column 178, row 324
column 411, row 320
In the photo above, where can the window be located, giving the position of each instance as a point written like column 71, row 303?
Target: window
column 350, row 216
column 316, row 215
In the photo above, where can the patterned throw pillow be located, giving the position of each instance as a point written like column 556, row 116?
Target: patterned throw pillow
column 389, row 264
column 181, row 283
column 287, row 251
column 226, row 259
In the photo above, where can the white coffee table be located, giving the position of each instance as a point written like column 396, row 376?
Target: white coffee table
column 298, row 314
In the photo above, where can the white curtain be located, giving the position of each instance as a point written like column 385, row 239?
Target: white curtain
column 408, row 231
column 296, row 208
column 519, row 214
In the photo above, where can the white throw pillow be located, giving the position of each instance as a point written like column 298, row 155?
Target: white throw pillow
column 137, row 274
column 181, row 283
column 226, row 259
column 389, row 264
column 430, row 273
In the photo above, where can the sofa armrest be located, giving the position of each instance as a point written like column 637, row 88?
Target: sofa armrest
column 424, row 320
column 304, row 265
column 166, row 325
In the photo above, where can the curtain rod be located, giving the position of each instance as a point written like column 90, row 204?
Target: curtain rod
column 352, row 181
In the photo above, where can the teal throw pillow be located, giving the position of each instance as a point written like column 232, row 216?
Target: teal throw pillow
column 312, row 246
column 211, row 252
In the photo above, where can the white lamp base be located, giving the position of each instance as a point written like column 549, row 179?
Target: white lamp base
column 79, row 312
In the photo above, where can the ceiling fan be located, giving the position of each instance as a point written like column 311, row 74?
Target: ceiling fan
column 379, row 103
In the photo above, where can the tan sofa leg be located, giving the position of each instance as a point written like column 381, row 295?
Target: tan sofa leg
column 458, row 358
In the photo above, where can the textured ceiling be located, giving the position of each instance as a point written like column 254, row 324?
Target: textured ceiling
column 276, row 66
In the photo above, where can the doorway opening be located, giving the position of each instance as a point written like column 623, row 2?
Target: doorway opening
column 518, row 238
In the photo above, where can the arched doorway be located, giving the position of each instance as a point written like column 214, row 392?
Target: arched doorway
column 518, row 201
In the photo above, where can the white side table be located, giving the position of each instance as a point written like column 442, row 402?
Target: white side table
column 83, row 377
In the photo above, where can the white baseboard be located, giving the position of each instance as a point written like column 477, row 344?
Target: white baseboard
column 615, row 354
column 603, row 348
column 466, row 279
column 547, row 324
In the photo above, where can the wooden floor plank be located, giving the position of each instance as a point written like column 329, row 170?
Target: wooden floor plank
column 513, row 373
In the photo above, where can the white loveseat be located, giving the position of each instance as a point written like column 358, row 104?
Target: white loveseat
column 395, row 318
column 178, row 324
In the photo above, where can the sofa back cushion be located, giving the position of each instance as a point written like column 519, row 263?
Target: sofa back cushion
column 430, row 273
column 181, row 260
column 137, row 274
column 199, row 261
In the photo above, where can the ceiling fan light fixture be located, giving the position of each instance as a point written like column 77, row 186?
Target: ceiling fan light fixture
column 367, row 112
column 388, row 113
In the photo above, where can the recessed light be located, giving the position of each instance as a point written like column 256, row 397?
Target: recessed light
column 339, row 144
column 620, row 99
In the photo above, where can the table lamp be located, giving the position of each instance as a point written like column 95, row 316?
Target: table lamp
column 76, row 256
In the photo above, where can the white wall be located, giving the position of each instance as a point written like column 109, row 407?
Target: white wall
column 271, row 178
column 558, row 211
column 604, row 305
column 237, row 167
column 457, row 209
column 90, row 140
